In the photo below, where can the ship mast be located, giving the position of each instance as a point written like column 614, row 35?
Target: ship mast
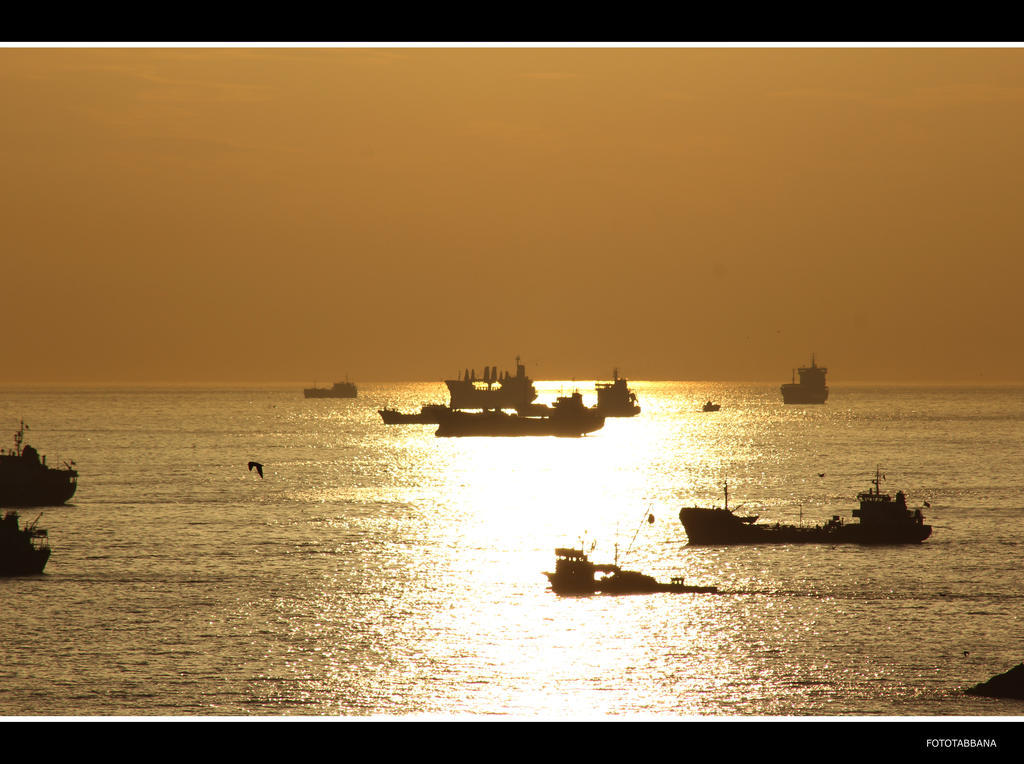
column 878, row 480
column 19, row 436
column 649, row 517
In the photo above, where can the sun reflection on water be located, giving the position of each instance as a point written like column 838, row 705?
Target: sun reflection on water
column 380, row 571
column 432, row 598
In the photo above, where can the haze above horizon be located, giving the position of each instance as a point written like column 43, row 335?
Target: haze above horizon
column 211, row 215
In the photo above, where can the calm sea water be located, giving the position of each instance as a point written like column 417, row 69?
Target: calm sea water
column 378, row 571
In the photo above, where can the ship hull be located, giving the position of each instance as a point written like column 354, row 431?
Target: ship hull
column 426, row 416
column 44, row 489
column 28, row 562
column 316, row 393
column 612, row 586
column 623, row 583
column 796, row 393
column 714, row 527
column 500, row 424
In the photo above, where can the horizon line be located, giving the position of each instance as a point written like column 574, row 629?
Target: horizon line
column 278, row 384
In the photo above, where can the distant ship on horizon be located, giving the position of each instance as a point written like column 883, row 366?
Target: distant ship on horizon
column 615, row 398
column 430, row 413
column 492, row 391
column 27, row 481
column 810, row 389
column 339, row 390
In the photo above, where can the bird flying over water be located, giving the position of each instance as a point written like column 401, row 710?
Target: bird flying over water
column 258, row 466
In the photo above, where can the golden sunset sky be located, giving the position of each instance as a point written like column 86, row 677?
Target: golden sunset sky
column 221, row 215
